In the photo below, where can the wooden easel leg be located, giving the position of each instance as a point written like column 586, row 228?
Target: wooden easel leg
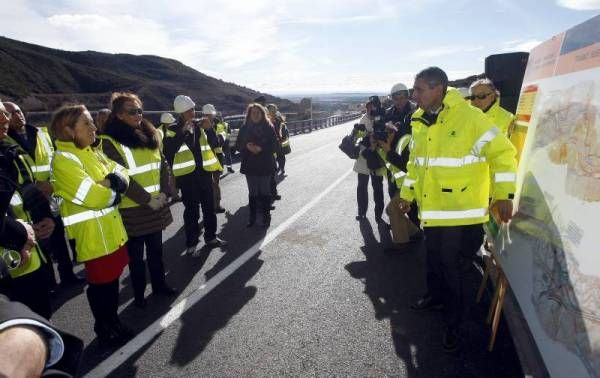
column 502, row 282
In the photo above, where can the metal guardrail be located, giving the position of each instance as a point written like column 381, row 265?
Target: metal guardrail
column 306, row 126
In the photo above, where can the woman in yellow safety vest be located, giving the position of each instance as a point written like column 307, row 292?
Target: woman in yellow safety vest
column 134, row 143
column 90, row 186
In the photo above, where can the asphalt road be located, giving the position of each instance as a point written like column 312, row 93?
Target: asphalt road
column 313, row 295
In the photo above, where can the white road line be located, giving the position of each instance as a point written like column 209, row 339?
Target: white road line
column 154, row 329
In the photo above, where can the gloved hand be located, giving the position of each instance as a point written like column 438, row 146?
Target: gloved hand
column 118, row 182
column 158, row 201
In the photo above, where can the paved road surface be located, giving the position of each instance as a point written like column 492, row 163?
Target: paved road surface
column 311, row 296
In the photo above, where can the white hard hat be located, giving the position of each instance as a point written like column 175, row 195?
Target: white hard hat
column 182, row 104
column 167, row 119
column 209, row 109
column 398, row 88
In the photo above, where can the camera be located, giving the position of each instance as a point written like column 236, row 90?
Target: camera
column 377, row 113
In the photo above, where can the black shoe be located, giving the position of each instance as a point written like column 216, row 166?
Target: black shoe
column 451, row 339
column 230, row 170
column 219, row 210
column 140, row 302
column 165, row 291
column 426, row 303
column 124, row 331
column 276, row 197
column 360, row 217
column 108, row 336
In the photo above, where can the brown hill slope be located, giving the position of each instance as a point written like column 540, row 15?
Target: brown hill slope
column 42, row 79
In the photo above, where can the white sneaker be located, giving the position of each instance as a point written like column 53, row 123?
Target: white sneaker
column 216, row 242
column 191, row 250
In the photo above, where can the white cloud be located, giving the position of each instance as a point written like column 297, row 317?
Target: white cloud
column 520, row 45
column 580, row 4
column 434, row 52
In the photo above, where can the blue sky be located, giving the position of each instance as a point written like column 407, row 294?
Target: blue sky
column 281, row 46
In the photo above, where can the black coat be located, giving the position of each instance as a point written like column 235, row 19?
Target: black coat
column 263, row 163
column 69, row 363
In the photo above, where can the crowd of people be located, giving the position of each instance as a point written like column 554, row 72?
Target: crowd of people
column 449, row 164
column 98, row 192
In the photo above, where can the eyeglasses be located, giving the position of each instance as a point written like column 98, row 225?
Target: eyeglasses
column 134, row 111
column 480, row 96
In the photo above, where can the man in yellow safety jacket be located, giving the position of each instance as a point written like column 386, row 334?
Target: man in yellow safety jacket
column 454, row 152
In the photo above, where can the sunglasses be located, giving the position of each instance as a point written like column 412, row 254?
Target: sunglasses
column 479, row 97
column 134, row 111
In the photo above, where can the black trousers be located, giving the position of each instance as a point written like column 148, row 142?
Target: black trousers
column 104, row 303
column 446, row 247
column 137, row 268
column 281, row 160
column 362, row 194
column 273, row 183
column 56, row 246
column 196, row 192
column 227, row 153
column 31, row 290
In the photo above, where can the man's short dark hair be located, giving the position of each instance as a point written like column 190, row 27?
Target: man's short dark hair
column 433, row 76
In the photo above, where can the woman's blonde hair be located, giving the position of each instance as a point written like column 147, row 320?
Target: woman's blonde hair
column 64, row 120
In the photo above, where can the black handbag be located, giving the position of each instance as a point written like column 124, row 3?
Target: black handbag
column 349, row 147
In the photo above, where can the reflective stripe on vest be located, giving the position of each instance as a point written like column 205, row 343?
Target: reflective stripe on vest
column 285, row 143
column 456, row 214
column 87, row 215
column 147, row 174
column 183, row 162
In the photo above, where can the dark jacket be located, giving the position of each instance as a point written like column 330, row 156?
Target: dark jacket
column 401, row 119
column 263, row 135
column 30, row 143
column 192, row 139
column 140, row 220
column 68, row 364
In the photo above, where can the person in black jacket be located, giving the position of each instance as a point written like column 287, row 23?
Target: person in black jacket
column 196, row 186
column 399, row 115
column 257, row 142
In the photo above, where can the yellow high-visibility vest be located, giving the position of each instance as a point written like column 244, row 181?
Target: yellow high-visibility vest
column 451, row 162
column 87, row 208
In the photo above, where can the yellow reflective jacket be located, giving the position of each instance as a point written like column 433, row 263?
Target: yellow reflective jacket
column 40, row 165
column 87, row 208
column 500, row 117
column 221, row 130
column 184, row 163
column 143, row 166
column 451, row 162
column 16, row 203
